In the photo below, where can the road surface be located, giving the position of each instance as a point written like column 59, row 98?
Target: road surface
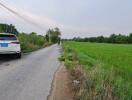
column 29, row 78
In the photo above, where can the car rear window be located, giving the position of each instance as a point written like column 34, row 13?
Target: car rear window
column 7, row 37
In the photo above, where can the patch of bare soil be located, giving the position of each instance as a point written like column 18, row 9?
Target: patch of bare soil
column 61, row 88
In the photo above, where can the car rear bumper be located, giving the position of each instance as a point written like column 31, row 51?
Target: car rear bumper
column 9, row 52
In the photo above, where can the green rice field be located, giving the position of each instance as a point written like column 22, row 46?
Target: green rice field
column 113, row 63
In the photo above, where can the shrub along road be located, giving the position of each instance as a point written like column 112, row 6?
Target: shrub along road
column 29, row 78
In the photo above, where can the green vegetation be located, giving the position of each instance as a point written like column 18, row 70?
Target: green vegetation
column 53, row 35
column 5, row 28
column 31, row 42
column 107, row 69
column 120, row 39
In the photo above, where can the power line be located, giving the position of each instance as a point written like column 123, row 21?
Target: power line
column 21, row 16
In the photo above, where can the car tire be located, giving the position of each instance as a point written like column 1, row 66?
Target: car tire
column 18, row 55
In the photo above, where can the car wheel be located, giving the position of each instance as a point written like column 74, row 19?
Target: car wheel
column 18, row 55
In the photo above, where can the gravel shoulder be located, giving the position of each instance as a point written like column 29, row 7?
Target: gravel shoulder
column 61, row 86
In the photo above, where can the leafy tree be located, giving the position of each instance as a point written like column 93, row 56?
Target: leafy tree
column 130, row 38
column 53, row 35
column 112, row 38
column 47, row 37
column 100, row 39
column 5, row 28
column 121, row 39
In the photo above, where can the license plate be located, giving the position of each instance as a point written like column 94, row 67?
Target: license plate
column 3, row 44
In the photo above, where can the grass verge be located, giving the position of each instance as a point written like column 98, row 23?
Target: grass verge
column 99, row 70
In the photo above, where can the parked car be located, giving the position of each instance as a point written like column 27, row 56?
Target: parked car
column 9, row 44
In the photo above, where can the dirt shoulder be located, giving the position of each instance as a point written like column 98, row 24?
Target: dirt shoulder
column 61, row 88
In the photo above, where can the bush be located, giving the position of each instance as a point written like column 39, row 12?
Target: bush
column 31, row 42
column 62, row 58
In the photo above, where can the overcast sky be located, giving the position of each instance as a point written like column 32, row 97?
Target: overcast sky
column 73, row 17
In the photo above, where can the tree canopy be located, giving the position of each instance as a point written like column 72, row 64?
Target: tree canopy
column 53, row 35
column 5, row 28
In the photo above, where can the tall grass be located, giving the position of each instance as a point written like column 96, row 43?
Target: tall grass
column 107, row 68
column 31, row 42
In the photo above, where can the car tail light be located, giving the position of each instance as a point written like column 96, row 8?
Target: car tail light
column 15, row 42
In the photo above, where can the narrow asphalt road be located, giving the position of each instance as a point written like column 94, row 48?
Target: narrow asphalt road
column 29, row 78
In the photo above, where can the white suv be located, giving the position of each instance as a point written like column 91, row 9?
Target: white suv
column 9, row 44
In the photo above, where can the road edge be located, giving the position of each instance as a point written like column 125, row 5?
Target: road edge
column 53, row 86
column 60, row 93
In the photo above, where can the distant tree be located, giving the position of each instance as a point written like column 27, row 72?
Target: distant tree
column 121, row 39
column 100, row 39
column 93, row 39
column 114, row 38
column 5, row 28
column 78, row 39
column 33, row 33
column 47, row 37
column 53, row 35
column 85, row 40
column 130, row 38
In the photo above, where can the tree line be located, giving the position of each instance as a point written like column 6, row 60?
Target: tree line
column 52, row 35
column 32, row 41
column 5, row 28
column 114, row 38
